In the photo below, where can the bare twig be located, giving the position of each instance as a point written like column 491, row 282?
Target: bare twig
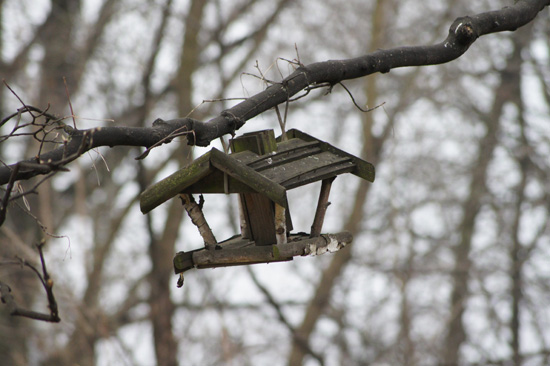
column 69, row 99
column 17, row 96
column 47, row 283
column 179, row 132
column 357, row 105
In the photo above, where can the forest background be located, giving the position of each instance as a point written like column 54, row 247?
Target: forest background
column 449, row 264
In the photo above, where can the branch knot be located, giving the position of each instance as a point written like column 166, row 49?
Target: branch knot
column 465, row 32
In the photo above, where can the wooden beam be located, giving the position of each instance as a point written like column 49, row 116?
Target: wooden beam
column 172, row 185
column 328, row 243
column 260, row 216
column 322, row 206
column 248, row 176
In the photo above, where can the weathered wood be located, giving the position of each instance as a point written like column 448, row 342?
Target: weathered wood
column 173, row 184
column 322, row 206
column 287, row 152
column 310, row 169
column 258, row 210
column 362, row 169
column 224, row 257
column 249, row 176
column 271, row 168
column 260, row 216
column 260, row 142
column 217, row 182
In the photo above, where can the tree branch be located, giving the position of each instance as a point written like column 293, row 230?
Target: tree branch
column 81, row 141
column 15, row 310
column 462, row 33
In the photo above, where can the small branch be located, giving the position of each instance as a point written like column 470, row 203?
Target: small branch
column 7, row 193
column 322, row 206
column 357, row 105
column 463, row 32
column 194, row 211
column 179, row 132
column 44, row 277
column 81, row 141
column 69, row 99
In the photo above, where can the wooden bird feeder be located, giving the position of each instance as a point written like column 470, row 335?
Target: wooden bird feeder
column 261, row 169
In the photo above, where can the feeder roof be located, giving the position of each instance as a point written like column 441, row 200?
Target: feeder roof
column 300, row 160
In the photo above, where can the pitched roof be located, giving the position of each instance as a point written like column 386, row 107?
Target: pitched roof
column 300, row 160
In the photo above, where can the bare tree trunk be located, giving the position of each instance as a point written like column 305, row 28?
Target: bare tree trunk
column 405, row 341
column 517, row 251
column 162, row 251
column 516, row 268
column 508, row 88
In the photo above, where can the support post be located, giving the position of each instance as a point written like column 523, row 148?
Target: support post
column 280, row 224
column 197, row 218
column 322, row 206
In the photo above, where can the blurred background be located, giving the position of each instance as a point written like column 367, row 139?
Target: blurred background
column 450, row 261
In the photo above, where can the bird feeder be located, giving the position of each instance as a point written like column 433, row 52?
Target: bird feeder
column 260, row 170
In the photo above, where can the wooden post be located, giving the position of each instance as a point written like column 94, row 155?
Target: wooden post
column 197, row 218
column 322, row 206
column 257, row 209
column 280, row 224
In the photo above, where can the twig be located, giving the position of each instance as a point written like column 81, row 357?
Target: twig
column 179, row 132
column 7, row 194
column 47, row 283
column 355, row 103
column 69, row 99
column 17, row 96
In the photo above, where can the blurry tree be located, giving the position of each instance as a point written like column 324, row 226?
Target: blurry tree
column 449, row 264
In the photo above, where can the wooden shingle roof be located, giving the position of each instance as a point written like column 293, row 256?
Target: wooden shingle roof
column 300, row 160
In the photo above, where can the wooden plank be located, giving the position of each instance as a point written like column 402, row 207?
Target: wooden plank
column 328, row 243
column 260, row 142
column 249, row 176
column 321, row 173
column 172, row 185
column 284, row 158
column 309, row 169
column 286, row 151
column 214, row 183
column 261, row 218
column 363, row 169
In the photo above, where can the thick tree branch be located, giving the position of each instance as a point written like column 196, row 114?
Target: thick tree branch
column 81, row 141
column 462, row 33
